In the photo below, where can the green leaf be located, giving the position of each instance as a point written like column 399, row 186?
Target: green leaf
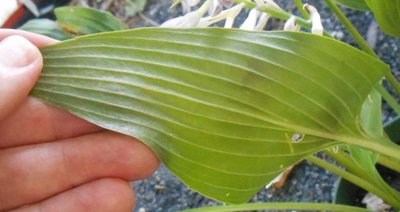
column 393, row 130
column 371, row 115
column 46, row 27
column 370, row 120
column 220, row 107
column 84, row 21
column 355, row 4
column 280, row 206
column 387, row 13
column 135, row 6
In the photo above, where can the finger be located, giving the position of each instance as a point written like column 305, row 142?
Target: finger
column 32, row 173
column 36, row 39
column 36, row 122
column 20, row 66
column 100, row 195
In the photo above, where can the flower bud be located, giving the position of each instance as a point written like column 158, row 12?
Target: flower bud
column 189, row 20
column 215, row 8
column 251, row 20
column 315, row 18
column 186, row 4
column 268, row 4
column 291, row 25
column 262, row 21
column 228, row 14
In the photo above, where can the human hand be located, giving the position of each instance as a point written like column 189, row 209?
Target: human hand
column 51, row 160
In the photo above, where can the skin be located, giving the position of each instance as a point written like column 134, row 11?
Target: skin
column 51, row 160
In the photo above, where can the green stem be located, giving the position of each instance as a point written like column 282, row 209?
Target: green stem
column 346, row 161
column 353, row 31
column 361, row 41
column 279, row 206
column 281, row 14
column 346, row 22
column 373, row 178
column 383, row 146
column 355, row 179
column 389, row 163
column 388, row 98
column 351, row 166
column 299, row 5
column 393, row 81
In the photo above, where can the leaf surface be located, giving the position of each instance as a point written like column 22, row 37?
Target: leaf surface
column 387, row 13
column 46, row 27
column 224, row 109
column 355, row 4
column 134, row 7
column 85, row 21
column 371, row 113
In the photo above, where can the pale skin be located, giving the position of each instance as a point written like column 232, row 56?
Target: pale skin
column 51, row 160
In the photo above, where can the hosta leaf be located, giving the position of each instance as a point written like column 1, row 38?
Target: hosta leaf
column 135, row 6
column 387, row 13
column 46, row 27
column 84, row 21
column 392, row 129
column 224, row 109
column 371, row 112
column 355, row 4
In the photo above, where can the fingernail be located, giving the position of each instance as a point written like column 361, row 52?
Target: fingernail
column 16, row 51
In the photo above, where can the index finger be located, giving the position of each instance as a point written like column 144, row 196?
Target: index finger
column 37, row 122
column 36, row 39
column 34, row 121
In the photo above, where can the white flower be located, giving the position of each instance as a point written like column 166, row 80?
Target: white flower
column 228, row 14
column 315, row 18
column 189, row 20
column 231, row 14
column 226, row 3
column 218, row 5
column 186, row 4
column 251, row 20
column 215, row 8
column 291, row 25
column 255, row 21
column 31, row 7
column 267, row 3
column 262, row 21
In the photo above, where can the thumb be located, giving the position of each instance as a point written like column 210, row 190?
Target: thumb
column 20, row 66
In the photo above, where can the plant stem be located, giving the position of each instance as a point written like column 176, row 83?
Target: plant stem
column 279, row 206
column 383, row 146
column 388, row 98
column 299, row 5
column 351, row 166
column 373, row 178
column 393, row 81
column 346, row 161
column 281, row 14
column 389, row 163
column 361, row 41
column 353, row 31
column 355, row 179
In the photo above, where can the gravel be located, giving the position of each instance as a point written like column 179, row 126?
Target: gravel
column 306, row 183
column 164, row 192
